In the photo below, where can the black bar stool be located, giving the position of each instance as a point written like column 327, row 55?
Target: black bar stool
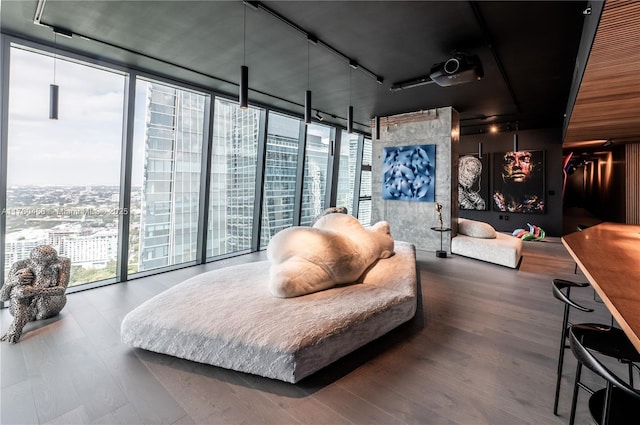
column 558, row 285
column 618, row 403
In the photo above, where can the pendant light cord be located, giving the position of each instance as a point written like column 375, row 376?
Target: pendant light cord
column 244, row 36
column 350, row 85
column 55, row 55
column 308, row 65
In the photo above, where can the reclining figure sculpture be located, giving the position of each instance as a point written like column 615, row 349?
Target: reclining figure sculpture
column 336, row 250
column 36, row 288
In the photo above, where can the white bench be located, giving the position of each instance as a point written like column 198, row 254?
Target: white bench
column 503, row 249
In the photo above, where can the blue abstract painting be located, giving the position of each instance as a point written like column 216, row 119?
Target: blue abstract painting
column 409, row 173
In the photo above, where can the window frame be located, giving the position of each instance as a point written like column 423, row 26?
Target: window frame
column 132, row 76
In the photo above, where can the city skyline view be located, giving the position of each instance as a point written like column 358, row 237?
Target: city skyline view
column 63, row 178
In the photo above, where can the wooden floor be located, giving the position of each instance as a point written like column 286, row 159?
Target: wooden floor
column 481, row 350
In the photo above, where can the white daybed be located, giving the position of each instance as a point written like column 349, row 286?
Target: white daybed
column 228, row 318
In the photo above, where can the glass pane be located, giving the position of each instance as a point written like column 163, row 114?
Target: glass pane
column 365, row 184
column 63, row 176
column 364, row 212
column 347, row 170
column 315, row 172
column 233, row 178
column 367, row 153
column 165, row 192
column 280, row 175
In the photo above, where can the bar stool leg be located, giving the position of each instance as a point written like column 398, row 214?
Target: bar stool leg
column 565, row 322
column 574, row 400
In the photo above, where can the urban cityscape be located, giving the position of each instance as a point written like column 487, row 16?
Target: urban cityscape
column 82, row 222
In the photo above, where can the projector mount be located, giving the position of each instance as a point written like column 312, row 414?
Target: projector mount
column 460, row 68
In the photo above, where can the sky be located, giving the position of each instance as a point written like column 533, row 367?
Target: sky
column 82, row 147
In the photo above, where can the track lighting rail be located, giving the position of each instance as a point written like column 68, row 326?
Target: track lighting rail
column 256, row 5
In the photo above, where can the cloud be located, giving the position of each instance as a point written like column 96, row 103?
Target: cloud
column 84, row 145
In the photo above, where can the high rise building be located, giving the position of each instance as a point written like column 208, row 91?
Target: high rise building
column 233, row 178
column 86, row 248
column 315, row 178
column 280, row 175
column 171, row 181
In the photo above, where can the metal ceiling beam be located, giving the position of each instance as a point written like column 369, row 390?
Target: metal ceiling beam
column 256, row 5
column 40, row 8
column 489, row 40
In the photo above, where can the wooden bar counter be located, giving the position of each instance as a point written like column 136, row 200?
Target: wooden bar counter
column 609, row 256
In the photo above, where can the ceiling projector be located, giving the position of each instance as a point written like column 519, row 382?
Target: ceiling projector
column 460, row 68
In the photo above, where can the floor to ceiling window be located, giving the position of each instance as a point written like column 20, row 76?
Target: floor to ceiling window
column 316, row 160
column 233, row 178
column 167, row 161
column 63, row 176
column 279, row 191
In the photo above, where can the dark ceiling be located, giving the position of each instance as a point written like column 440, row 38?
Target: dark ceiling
column 527, row 49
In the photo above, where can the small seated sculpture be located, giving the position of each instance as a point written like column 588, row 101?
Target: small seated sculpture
column 36, row 288
column 336, row 250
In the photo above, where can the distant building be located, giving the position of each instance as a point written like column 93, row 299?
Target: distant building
column 280, row 176
column 315, row 181
column 18, row 245
column 171, row 182
column 172, row 171
column 233, row 178
column 86, row 248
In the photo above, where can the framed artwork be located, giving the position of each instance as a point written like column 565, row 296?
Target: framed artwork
column 473, row 182
column 409, row 173
column 518, row 182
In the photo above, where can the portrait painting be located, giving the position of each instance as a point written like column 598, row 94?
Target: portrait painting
column 473, row 182
column 518, row 182
column 408, row 173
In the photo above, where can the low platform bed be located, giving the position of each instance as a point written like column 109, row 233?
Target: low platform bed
column 228, row 318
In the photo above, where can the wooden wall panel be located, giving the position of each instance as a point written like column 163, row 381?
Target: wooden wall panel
column 633, row 182
column 608, row 101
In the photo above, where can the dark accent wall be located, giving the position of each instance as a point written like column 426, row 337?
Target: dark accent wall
column 617, row 199
column 600, row 186
column 548, row 140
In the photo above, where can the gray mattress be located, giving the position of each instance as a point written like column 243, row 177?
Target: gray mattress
column 227, row 318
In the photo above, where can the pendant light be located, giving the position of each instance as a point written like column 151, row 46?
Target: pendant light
column 307, row 95
column 480, row 150
column 53, row 88
column 244, row 69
